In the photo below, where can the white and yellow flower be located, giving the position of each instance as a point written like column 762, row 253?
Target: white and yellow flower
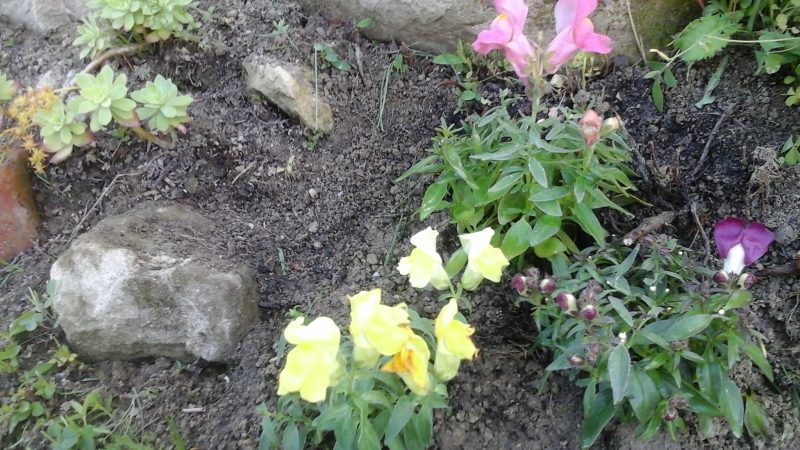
column 484, row 260
column 376, row 329
column 411, row 364
column 424, row 265
column 453, row 342
column 312, row 364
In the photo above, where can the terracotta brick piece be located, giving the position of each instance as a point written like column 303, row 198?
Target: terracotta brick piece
column 18, row 217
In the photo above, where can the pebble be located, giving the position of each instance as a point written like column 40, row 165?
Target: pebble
column 372, row 259
column 314, row 227
column 317, row 245
column 312, row 193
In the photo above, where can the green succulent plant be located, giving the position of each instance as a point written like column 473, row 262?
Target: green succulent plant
column 164, row 18
column 162, row 107
column 94, row 38
column 60, row 131
column 123, row 14
column 104, row 98
column 8, row 88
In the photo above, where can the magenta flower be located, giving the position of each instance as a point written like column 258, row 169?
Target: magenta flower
column 740, row 245
column 506, row 33
column 575, row 32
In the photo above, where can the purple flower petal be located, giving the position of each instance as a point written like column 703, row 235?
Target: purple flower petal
column 756, row 239
column 728, row 233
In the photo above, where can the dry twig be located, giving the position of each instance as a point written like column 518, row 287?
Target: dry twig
column 710, row 140
column 647, row 226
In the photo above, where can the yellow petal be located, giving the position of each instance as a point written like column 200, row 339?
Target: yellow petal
column 312, row 363
column 411, row 364
column 424, row 265
column 376, row 326
column 490, row 263
column 484, row 260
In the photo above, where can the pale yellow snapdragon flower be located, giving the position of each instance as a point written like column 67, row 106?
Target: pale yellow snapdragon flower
column 411, row 363
column 484, row 260
column 424, row 265
column 453, row 342
column 312, row 365
column 376, row 329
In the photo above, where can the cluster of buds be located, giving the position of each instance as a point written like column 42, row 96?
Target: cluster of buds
column 589, row 358
column 529, row 284
column 584, row 305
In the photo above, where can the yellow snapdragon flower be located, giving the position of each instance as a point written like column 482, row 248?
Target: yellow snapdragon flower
column 484, row 260
column 411, row 364
column 310, row 366
column 376, row 329
column 453, row 342
column 424, row 265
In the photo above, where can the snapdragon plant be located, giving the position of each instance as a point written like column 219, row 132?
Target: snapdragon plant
column 378, row 386
column 650, row 337
column 530, row 178
column 527, row 178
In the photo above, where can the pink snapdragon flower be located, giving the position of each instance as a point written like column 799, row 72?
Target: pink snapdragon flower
column 506, row 33
column 740, row 244
column 575, row 32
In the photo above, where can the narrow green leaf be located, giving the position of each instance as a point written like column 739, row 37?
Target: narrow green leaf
column 757, row 356
column 732, row 406
column 537, row 170
column 505, row 183
column 596, row 419
column 738, row 299
column 517, row 239
column 544, row 228
column 584, row 216
column 755, row 418
column 448, row 59
column 549, row 194
column 643, row 395
column 619, row 367
column 291, row 438
column 454, row 160
column 401, row 414
column 623, row 312
column 432, row 200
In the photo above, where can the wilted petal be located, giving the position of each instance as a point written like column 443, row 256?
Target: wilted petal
column 756, row 239
column 727, row 233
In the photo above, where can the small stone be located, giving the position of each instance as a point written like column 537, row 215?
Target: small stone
column 285, row 85
column 372, row 259
column 314, row 227
column 191, row 185
column 317, row 245
column 312, row 193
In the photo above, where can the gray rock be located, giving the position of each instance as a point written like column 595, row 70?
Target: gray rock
column 437, row 26
column 151, row 283
column 44, row 15
column 286, row 86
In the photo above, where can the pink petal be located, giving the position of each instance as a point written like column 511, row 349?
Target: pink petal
column 561, row 49
column 584, row 9
column 516, row 10
column 518, row 53
column 495, row 37
column 728, row 233
column 586, row 39
column 565, row 14
column 756, row 239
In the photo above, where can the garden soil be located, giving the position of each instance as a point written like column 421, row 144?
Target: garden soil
column 333, row 221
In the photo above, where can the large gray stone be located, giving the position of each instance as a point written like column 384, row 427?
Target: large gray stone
column 437, row 26
column 44, row 15
column 151, row 283
column 286, row 86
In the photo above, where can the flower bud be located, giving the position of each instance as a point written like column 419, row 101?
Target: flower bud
column 664, row 251
column 589, row 312
column 567, row 302
column 590, row 125
column 747, row 280
column 671, row 414
column 532, row 273
column 520, row 284
column 576, row 360
column 547, row 285
column 721, row 277
column 610, row 125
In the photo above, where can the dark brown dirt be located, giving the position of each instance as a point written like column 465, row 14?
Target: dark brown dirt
column 340, row 222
